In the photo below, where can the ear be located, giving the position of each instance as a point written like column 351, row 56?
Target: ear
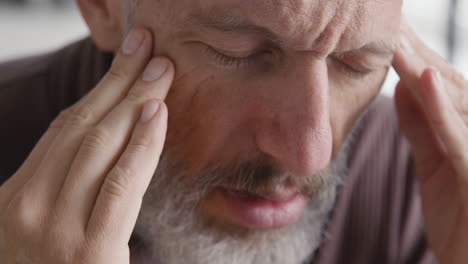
column 104, row 22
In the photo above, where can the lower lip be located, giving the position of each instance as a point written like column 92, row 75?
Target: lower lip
column 260, row 213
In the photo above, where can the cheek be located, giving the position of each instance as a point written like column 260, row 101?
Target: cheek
column 347, row 102
column 203, row 121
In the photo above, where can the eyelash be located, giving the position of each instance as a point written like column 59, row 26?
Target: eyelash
column 350, row 71
column 230, row 61
column 245, row 62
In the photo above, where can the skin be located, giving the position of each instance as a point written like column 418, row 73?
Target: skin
column 103, row 178
column 433, row 112
column 249, row 117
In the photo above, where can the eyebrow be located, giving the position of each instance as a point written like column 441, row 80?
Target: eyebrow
column 233, row 24
column 381, row 48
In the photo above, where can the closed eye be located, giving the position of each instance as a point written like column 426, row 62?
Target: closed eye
column 350, row 70
column 235, row 61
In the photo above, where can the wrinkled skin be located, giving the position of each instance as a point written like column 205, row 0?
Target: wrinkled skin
column 294, row 103
column 292, row 100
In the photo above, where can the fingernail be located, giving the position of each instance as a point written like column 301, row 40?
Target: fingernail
column 406, row 46
column 149, row 111
column 155, row 69
column 132, row 42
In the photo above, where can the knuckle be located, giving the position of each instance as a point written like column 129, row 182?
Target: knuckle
column 45, row 241
column 117, row 72
column 137, row 96
column 22, row 217
column 80, row 115
column 96, row 139
column 139, row 144
column 60, row 120
column 117, row 182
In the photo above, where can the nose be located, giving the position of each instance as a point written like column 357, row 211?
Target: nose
column 294, row 125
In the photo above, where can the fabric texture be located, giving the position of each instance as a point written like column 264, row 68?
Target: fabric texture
column 377, row 218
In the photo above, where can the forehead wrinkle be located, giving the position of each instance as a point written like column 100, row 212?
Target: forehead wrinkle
column 315, row 19
column 322, row 27
column 234, row 19
column 386, row 39
column 335, row 29
column 299, row 22
column 229, row 23
column 294, row 25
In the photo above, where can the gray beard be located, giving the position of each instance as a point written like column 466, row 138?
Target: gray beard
column 174, row 232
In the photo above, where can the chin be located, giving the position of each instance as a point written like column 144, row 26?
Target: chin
column 218, row 221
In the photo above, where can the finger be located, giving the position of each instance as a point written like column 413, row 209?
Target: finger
column 444, row 119
column 14, row 183
column 415, row 126
column 411, row 44
column 119, row 201
column 130, row 60
column 409, row 65
column 412, row 62
column 414, row 57
column 103, row 145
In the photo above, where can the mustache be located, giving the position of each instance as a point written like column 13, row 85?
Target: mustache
column 260, row 177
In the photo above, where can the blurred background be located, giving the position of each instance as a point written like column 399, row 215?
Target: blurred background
column 33, row 26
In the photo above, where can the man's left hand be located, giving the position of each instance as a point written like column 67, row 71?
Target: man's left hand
column 432, row 104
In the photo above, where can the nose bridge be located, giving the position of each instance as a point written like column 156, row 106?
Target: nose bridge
column 297, row 133
column 306, row 93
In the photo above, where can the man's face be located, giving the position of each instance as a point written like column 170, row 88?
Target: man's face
column 265, row 94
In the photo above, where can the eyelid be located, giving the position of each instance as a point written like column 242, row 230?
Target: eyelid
column 234, row 61
column 231, row 54
column 360, row 62
column 367, row 61
column 240, row 53
column 349, row 69
column 226, row 60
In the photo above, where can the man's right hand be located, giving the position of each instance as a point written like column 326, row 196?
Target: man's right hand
column 77, row 196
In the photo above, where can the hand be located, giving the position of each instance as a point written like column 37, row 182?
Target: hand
column 77, row 196
column 432, row 103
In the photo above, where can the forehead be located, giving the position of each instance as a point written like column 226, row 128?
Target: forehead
column 319, row 25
